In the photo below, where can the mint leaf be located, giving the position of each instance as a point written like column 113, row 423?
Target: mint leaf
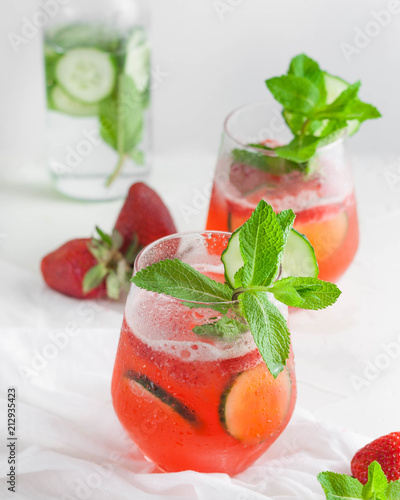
column 271, row 164
column 178, row 279
column 303, row 65
column 268, row 328
column 377, row 482
column 286, row 219
column 295, row 93
column 225, row 329
column 307, row 293
column 339, row 486
column 261, row 245
column 121, row 116
column 393, row 490
column 300, row 149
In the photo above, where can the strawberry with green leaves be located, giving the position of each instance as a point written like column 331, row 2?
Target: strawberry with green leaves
column 100, row 267
column 87, row 268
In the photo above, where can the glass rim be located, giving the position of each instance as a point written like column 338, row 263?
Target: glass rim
column 178, row 236
column 344, row 135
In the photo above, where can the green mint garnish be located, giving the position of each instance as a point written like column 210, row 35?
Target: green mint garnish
column 343, row 487
column 262, row 241
column 308, row 112
column 179, row 280
column 269, row 330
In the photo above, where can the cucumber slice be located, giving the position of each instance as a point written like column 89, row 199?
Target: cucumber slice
column 61, row 101
column 255, row 405
column 232, row 258
column 162, row 395
column 334, row 87
column 86, row 74
column 298, row 258
column 137, row 61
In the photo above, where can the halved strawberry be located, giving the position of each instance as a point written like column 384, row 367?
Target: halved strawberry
column 144, row 217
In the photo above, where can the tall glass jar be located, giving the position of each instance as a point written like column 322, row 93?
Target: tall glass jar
column 97, row 66
column 322, row 196
column 190, row 401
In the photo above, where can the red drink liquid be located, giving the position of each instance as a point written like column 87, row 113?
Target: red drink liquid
column 325, row 209
column 192, row 402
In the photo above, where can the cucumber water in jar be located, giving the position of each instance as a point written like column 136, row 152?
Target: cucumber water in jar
column 97, row 69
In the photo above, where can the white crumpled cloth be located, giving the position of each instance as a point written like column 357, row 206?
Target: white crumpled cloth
column 70, row 443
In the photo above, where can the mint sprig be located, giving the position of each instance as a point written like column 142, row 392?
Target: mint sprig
column 262, row 241
column 311, row 117
column 302, row 93
column 343, row 487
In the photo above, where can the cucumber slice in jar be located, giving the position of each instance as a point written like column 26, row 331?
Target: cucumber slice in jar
column 255, row 405
column 298, row 258
column 61, row 101
column 86, row 74
column 137, row 61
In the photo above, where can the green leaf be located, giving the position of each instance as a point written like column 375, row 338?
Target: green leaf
column 307, row 293
column 113, row 285
column 121, row 117
column 306, row 67
column 393, row 490
column 225, row 328
column 300, row 149
column 295, row 93
column 180, row 280
column 271, row 164
column 339, row 486
column 94, row 277
column 261, row 245
column 286, row 219
column 268, row 328
column 104, row 237
column 116, row 239
column 377, row 482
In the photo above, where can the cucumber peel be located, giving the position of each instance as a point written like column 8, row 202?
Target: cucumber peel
column 298, row 258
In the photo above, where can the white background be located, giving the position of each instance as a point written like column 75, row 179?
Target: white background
column 210, row 56
column 205, row 63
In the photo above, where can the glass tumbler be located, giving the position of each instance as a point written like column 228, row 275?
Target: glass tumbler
column 97, row 69
column 189, row 401
column 322, row 197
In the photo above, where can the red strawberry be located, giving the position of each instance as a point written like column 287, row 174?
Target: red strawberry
column 88, row 268
column 143, row 217
column 385, row 450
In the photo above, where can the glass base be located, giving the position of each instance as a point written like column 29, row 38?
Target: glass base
column 94, row 189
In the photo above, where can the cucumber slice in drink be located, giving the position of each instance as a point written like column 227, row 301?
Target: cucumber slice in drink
column 232, row 258
column 137, row 61
column 334, row 87
column 298, row 258
column 162, row 395
column 254, row 405
column 86, row 74
column 61, row 101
